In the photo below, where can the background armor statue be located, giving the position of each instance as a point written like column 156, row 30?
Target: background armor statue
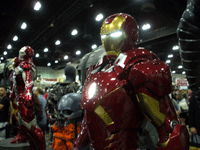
column 22, row 85
column 127, row 86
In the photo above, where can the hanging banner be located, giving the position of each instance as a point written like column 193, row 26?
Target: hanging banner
column 181, row 82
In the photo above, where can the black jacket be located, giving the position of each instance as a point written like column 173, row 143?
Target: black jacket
column 194, row 111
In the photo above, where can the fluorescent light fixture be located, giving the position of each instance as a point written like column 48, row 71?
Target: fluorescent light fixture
column 94, row 46
column 180, row 67
column 66, row 57
column 74, row 32
column 37, row 6
column 37, row 55
column 174, row 71
column 176, row 47
column 183, row 72
column 146, row 26
column 24, row 25
column 78, row 52
column 56, row 61
column 49, row 64
column 5, row 53
column 170, row 55
column 57, row 42
column 99, row 17
column 15, row 38
column 116, row 34
column 9, row 46
column 46, row 50
column 168, row 61
column 2, row 58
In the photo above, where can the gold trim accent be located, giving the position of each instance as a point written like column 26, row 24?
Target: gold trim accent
column 112, row 53
column 112, row 135
column 151, row 109
column 115, row 25
column 165, row 143
column 108, row 145
column 104, row 115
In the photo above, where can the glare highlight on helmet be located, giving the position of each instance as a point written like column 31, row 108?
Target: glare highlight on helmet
column 103, row 36
column 116, row 34
column 74, row 32
column 99, row 17
column 15, row 38
column 94, row 46
column 37, row 6
column 92, row 90
column 24, row 25
column 146, row 26
column 9, row 46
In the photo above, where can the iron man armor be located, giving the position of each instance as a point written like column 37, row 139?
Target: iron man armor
column 127, row 86
column 22, row 91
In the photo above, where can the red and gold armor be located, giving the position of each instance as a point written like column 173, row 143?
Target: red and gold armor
column 127, row 86
column 22, row 84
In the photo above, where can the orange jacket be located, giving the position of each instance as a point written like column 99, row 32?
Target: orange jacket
column 64, row 137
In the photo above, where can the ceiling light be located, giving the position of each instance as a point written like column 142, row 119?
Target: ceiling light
column 66, row 57
column 170, row 56
column 74, row 32
column 180, row 67
column 116, row 34
column 37, row 6
column 9, row 46
column 176, row 47
column 183, row 72
column 24, row 25
column 15, row 38
column 46, row 50
column 99, row 17
column 5, row 53
column 78, row 52
column 168, row 61
column 37, row 55
column 57, row 42
column 173, row 71
column 56, row 61
column 2, row 58
column 49, row 64
column 146, row 26
column 94, row 46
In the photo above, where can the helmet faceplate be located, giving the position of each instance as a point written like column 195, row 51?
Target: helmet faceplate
column 119, row 33
column 25, row 53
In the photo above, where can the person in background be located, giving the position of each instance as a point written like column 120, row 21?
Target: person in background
column 46, row 93
column 41, row 116
column 184, row 107
column 4, row 110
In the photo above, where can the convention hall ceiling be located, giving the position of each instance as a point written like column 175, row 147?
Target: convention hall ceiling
column 57, row 18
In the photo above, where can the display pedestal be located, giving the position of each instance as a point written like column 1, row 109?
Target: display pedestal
column 6, row 145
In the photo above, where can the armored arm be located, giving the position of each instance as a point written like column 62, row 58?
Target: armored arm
column 188, row 32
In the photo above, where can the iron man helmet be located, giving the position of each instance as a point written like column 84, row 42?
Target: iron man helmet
column 25, row 53
column 119, row 33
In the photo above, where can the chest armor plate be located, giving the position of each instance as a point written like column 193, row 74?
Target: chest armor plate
column 109, row 107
